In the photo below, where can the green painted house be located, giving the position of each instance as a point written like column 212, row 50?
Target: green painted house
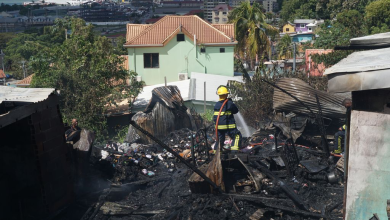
column 176, row 46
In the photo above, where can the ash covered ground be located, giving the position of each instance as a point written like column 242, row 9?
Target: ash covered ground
column 146, row 182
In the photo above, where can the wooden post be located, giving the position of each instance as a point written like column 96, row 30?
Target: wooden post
column 204, row 102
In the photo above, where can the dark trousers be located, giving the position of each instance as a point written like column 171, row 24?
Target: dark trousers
column 234, row 134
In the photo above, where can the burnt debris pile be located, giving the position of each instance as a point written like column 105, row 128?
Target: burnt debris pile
column 282, row 171
column 275, row 179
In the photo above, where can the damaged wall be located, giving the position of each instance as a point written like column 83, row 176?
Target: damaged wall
column 35, row 166
column 369, row 165
column 165, row 113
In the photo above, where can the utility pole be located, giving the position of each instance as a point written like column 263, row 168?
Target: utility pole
column 66, row 34
column 294, row 59
column 2, row 63
column 204, row 101
column 24, row 69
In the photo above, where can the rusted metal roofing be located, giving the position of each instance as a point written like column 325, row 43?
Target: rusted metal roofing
column 228, row 29
column 135, row 29
column 330, row 104
column 26, row 81
column 168, row 95
column 157, row 33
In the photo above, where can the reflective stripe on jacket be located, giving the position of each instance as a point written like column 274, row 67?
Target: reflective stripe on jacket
column 226, row 118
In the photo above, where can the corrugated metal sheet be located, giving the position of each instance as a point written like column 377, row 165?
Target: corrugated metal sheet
column 32, row 95
column 372, row 40
column 165, row 113
column 370, row 60
column 330, row 104
column 168, row 95
column 162, row 29
column 360, row 71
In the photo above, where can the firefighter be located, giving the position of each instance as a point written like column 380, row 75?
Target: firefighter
column 227, row 124
column 339, row 140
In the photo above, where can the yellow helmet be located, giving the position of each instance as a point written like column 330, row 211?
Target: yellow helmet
column 222, row 90
column 343, row 127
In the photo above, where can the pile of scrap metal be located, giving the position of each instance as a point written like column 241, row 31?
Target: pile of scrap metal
column 300, row 111
column 165, row 113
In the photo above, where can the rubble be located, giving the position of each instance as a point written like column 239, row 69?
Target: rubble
column 305, row 192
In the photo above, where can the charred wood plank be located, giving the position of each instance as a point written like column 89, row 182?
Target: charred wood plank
column 163, row 188
column 266, row 202
column 141, row 182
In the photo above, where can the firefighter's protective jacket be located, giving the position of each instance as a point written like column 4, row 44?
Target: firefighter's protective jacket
column 226, row 119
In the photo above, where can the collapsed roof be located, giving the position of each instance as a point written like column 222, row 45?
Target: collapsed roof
column 330, row 104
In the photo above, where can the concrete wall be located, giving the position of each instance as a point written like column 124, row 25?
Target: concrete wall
column 369, row 165
column 180, row 57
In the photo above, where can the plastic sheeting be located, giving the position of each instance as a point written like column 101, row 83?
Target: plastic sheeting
column 330, row 104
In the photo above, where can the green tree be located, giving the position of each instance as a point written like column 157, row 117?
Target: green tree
column 349, row 24
column 251, row 30
column 285, row 50
column 298, row 9
column 88, row 74
column 378, row 16
column 5, row 38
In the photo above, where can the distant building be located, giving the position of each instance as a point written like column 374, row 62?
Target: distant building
column 102, row 13
column 312, row 68
column 184, row 4
column 236, row 3
column 288, row 28
column 306, row 25
column 176, row 46
column 270, row 5
column 220, row 14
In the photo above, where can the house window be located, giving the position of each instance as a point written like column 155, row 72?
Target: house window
column 203, row 50
column 224, row 19
column 180, row 37
column 302, row 25
column 222, row 50
column 287, row 29
column 224, row 12
column 151, row 60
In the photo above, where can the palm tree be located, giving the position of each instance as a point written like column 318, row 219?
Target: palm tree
column 285, row 50
column 251, row 30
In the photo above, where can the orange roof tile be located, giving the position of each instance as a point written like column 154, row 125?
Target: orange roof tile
column 228, row 29
column 26, row 81
column 2, row 75
column 134, row 30
column 158, row 33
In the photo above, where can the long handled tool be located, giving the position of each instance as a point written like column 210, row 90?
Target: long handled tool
column 214, row 171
